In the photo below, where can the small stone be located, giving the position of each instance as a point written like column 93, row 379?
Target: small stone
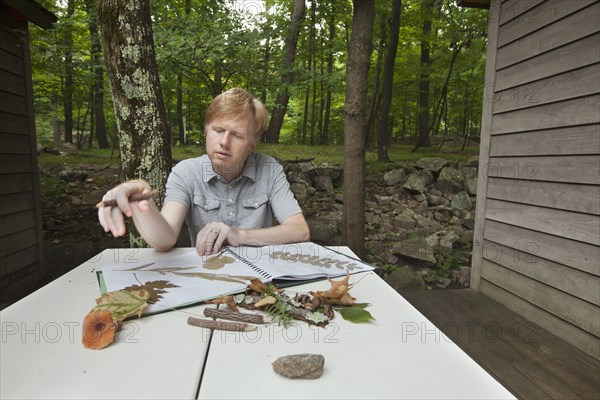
column 300, row 366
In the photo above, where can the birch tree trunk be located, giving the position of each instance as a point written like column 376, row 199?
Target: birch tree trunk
column 357, row 76
column 128, row 46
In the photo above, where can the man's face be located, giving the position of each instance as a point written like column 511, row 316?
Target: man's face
column 228, row 144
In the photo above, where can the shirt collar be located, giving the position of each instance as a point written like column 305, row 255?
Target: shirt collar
column 249, row 170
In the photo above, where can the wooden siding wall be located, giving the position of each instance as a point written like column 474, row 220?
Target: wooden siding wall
column 20, row 211
column 537, row 235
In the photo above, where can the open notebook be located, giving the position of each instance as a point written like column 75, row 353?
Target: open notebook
column 188, row 279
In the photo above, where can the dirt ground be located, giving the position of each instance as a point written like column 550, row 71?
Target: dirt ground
column 72, row 234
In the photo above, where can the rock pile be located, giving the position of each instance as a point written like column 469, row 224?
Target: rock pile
column 419, row 218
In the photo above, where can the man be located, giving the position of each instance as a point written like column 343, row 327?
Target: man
column 229, row 196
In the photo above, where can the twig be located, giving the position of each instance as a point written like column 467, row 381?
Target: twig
column 220, row 325
column 136, row 197
column 237, row 316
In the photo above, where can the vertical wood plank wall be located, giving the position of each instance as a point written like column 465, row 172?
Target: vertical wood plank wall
column 537, row 236
column 20, row 210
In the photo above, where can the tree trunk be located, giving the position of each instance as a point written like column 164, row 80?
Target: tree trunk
column 128, row 44
column 423, row 139
column 56, row 133
column 291, row 42
column 375, row 101
column 179, row 111
column 98, row 120
column 68, row 89
column 313, row 56
column 325, row 133
column 383, row 131
column 357, row 76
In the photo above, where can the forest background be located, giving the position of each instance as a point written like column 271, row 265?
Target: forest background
column 353, row 76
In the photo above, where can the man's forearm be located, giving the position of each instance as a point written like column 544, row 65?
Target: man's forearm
column 154, row 228
column 293, row 230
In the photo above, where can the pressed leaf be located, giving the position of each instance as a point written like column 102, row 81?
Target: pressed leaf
column 155, row 289
column 123, row 303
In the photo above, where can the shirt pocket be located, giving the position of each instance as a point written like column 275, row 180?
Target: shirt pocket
column 206, row 207
column 256, row 202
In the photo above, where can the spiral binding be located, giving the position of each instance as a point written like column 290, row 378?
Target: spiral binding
column 263, row 274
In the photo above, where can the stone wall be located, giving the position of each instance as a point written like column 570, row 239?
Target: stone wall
column 419, row 218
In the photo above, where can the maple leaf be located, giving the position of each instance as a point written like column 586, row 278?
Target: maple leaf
column 155, row 289
column 123, row 303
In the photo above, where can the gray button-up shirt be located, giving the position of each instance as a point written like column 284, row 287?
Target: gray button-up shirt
column 252, row 200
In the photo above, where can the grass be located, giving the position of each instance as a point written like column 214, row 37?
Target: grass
column 331, row 154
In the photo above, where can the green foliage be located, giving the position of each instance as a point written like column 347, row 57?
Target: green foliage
column 355, row 313
column 217, row 45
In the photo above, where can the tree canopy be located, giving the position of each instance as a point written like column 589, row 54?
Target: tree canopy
column 204, row 47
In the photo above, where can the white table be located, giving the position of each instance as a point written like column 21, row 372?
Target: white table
column 158, row 356
column 400, row 355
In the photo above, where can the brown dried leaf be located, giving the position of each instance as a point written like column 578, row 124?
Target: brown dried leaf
column 257, row 285
column 227, row 300
column 338, row 293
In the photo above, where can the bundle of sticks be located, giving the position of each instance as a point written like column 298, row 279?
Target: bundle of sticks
column 242, row 325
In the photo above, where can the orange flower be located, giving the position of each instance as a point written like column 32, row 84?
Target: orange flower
column 98, row 329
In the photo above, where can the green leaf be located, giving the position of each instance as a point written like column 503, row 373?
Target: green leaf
column 356, row 313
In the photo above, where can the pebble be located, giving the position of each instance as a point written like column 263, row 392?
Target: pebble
column 300, row 366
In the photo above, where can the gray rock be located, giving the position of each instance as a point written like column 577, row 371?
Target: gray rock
column 442, row 214
column 418, row 181
column 404, row 278
column 432, row 164
column 470, row 179
column 461, row 201
column 426, row 223
column 416, row 251
column 469, row 221
column 441, row 282
column 394, row 177
column 322, row 182
column 300, row 190
column 434, row 199
column 335, row 174
column 414, row 183
column 383, row 200
column 300, row 366
column 404, row 221
column 450, row 180
column 321, row 231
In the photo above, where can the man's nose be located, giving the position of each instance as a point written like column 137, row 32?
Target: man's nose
column 226, row 139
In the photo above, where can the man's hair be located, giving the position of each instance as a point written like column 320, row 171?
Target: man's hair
column 234, row 103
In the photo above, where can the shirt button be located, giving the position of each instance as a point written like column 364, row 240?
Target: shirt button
column 255, row 204
column 230, row 200
column 230, row 213
column 205, row 207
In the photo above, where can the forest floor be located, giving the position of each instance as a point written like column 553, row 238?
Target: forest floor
column 72, row 233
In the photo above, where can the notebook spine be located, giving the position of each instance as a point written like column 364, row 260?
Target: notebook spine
column 261, row 272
